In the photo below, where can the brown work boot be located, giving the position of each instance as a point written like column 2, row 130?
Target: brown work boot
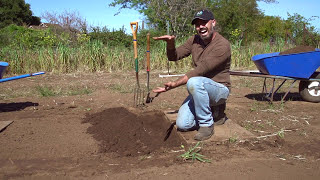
column 220, row 121
column 204, row 133
column 218, row 114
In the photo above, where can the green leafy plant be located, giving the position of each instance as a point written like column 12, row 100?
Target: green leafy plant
column 193, row 154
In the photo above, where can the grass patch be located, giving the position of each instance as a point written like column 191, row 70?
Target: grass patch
column 120, row 88
column 81, row 91
column 49, row 91
column 46, row 91
column 267, row 107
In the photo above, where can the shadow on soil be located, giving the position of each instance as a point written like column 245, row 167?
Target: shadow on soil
column 276, row 97
column 8, row 107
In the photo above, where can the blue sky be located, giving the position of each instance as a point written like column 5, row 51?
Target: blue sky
column 98, row 12
column 306, row 8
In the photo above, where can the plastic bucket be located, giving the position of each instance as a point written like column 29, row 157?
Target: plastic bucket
column 3, row 66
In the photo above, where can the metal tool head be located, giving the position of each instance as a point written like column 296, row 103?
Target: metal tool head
column 138, row 97
column 150, row 99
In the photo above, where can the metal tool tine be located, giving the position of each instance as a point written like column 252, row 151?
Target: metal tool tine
column 134, row 97
column 138, row 97
column 142, row 97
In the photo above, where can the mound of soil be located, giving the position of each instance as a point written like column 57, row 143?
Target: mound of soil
column 298, row 49
column 120, row 131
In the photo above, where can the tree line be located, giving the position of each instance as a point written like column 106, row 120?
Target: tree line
column 237, row 20
column 240, row 21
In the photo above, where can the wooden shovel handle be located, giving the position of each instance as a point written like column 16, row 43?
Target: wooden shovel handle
column 134, row 28
column 148, row 52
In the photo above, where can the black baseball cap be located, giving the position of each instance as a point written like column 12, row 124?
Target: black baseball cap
column 204, row 15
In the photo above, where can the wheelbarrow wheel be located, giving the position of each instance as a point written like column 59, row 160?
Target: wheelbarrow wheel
column 310, row 90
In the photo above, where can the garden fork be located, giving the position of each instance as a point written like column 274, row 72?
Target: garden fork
column 138, row 93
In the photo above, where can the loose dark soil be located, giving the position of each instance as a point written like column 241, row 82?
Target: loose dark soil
column 298, row 49
column 121, row 131
column 101, row 136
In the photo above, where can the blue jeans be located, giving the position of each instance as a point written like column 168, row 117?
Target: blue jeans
column 195, row 110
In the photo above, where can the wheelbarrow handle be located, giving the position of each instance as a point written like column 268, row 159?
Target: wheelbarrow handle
column 20, row 76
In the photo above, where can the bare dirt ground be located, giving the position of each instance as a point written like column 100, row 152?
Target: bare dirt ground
column 88, row 129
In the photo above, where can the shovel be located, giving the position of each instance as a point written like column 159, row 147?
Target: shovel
column 149, row 99
column 138, row 93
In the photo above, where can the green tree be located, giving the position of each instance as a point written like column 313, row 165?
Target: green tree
column 235, row 14
column 230, row 14
column 237, row 20
column 114, row 38
column 301, row 31
column 158, row 12
column 16, row 12
column 270, row 28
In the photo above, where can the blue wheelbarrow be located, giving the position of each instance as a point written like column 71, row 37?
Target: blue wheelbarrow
column 4, row 65
column 297, row 67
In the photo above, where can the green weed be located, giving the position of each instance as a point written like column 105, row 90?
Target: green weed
column 248, row 126
column 233, row 139
column 281, row 133
column 142, row 158
column 193, row 154
column 253, row 108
